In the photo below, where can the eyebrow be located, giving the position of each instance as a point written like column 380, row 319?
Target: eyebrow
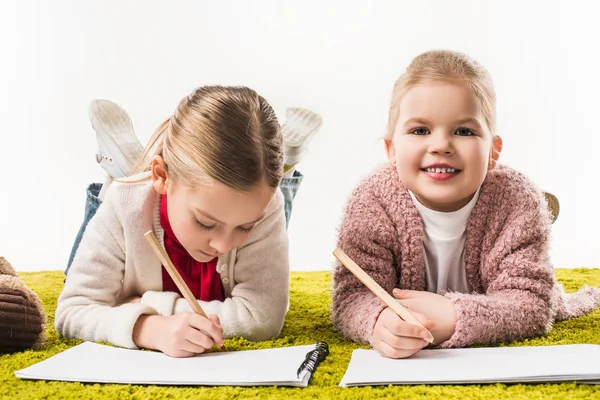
column 468, row 120
column 207, row 215
column 416, row 120
column 426, row 122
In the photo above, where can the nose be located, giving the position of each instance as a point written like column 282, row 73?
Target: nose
column 221, row 243
column 440, row 143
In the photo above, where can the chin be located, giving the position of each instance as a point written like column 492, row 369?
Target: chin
column 440, row 199
column 200, row 257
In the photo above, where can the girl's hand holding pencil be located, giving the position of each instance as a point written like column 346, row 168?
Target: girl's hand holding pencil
column 432, row 306
column 398, row 332
column 396, row 338
column 179, row 335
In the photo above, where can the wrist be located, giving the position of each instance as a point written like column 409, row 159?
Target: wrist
column 146, row 331
column 451, row 321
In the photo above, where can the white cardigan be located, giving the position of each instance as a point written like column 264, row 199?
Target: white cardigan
column 114, row 262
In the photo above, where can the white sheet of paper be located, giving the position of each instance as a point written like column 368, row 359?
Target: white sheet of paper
column 92, row 362
column 477, row 365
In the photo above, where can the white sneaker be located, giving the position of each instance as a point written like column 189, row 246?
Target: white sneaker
column 298, row 130
column 118, row 147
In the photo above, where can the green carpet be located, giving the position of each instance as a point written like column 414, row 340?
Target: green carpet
column 307, row 322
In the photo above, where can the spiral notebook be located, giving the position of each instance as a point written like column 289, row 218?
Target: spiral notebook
column 565, row 363
column 96, row 363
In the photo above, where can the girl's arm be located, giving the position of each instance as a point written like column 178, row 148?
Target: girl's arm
column 367, row 235
column 87, row 306
column 260, row 298
column 518, row 278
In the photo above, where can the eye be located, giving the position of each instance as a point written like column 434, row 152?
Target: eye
column 201, row 225
column 464, row 132
column 246, row 230
column 419, row 131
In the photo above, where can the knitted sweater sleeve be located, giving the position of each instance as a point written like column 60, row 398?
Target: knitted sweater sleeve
column 367, row 236
column 87, row 307
column 515, row 271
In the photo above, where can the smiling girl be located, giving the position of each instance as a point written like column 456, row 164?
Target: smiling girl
column 460, row 241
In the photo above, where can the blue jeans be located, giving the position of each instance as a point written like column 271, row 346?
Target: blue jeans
column 289, row 188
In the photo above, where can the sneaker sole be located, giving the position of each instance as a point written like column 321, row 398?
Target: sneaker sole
column 300, row 126
column 114, row 131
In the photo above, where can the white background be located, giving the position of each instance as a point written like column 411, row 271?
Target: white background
column 339, row 59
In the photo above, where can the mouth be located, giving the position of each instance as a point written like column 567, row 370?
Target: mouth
column 441, row 172
column 441, row 169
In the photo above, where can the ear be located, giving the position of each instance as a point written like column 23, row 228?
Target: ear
column 159, row 175
column 495, row 151
column 391, row 152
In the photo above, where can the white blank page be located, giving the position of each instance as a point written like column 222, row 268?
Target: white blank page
column 477, row 365
column 92, row 362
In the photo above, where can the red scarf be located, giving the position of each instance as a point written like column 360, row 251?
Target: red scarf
column 201, row 277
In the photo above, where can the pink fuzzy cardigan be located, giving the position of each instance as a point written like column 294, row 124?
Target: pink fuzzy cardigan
column 513, row 291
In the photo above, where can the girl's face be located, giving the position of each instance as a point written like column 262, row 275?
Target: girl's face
column 213, row 218
column 441, row 146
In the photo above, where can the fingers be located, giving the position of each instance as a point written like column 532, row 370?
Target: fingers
column 215, row 320
column 185, row 334
column 214, row 331
column 399, row 327
column 395, row 338
column 429, row 325
column 413, row 298
column 197, row 341
column 423, row 320
column 181, row 353
column 390, row 352
column 404, row 294
column 402, row 342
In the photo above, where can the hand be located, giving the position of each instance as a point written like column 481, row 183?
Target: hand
column 432, row 306
column 396, row 338
column 179, row 335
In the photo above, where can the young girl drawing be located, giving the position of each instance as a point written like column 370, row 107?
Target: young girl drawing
column 459, row 240
column 208, row 188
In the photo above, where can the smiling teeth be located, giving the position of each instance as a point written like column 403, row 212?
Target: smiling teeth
column 440, row 170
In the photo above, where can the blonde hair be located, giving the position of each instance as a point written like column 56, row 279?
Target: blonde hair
column 445, row 65
column 229, row 134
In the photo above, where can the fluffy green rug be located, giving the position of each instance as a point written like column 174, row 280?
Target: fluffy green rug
column 307, row 322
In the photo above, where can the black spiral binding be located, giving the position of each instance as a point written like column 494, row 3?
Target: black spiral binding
column 314, row 358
